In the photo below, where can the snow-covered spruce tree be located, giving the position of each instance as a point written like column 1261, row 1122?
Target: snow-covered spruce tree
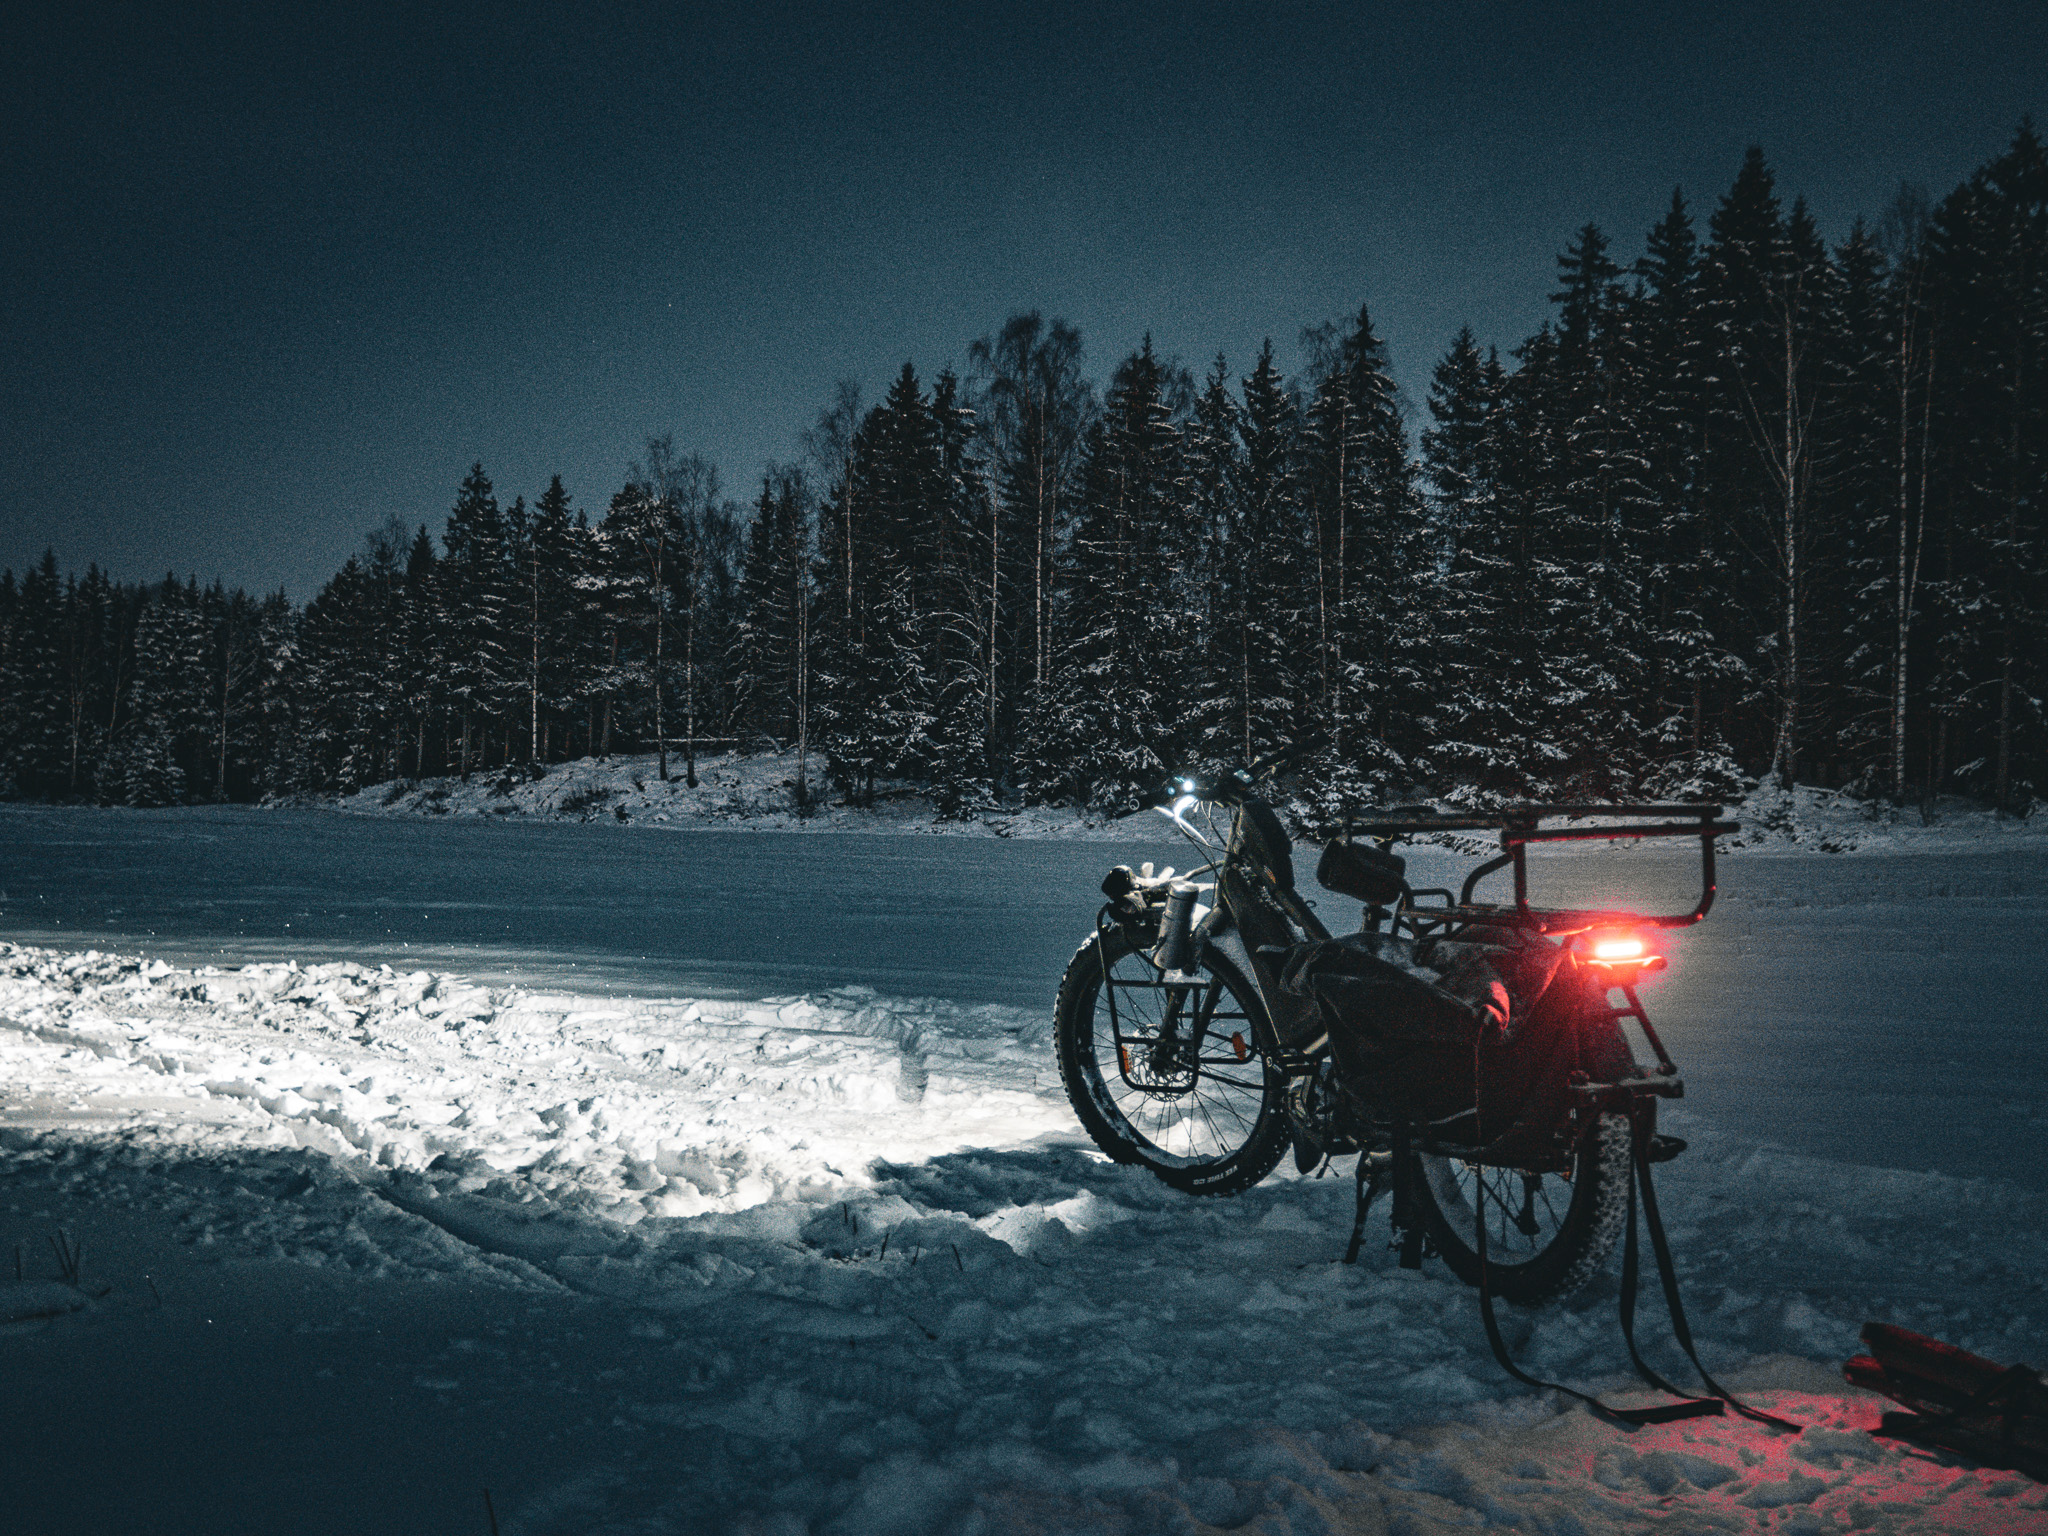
column 845, row 685
column 637, row 537
column 233, row 665
column 1988, row 254
column 609, row 609
column 272, row 715
column 907, row 523
column 714, row 617
column 555, row 550
column 1123, row 653
column 1849, row 698
column 770, row 661
column 959, row 620
column 387, row 719
column 160, row 744
column 1691, row 669
column 1211, row 722
column 829, row 445
column 1766, row 287
column 92, row 649
column 1033, row 407
column 1535, row 585
column 515, row 718
column 417, row 645
column 1376, row 569
column 1603, row 538
column 1489, row 696
column 474, row 599
column 32, row 691
column 855, row 655
column 344, row 708
column 898, row 675
column 1261, row 647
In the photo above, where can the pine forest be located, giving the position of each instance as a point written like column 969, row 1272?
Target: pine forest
column 1747, row 506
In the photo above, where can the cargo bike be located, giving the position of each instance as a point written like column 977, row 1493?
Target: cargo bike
column 1489, row 1062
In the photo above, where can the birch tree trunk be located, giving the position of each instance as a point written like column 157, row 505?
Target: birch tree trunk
column 1785, row 758
column 2001, row 781
column 227, row 672
column 995, row 601
column 1908, row 577
column 533, row 723
column 690, row 674
column 660, row 616
column 802, row 603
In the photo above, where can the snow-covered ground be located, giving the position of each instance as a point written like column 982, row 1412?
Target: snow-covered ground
column 360, row 1244
column 757, row 792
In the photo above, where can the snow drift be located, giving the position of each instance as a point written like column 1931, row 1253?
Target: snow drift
column 894, row 1292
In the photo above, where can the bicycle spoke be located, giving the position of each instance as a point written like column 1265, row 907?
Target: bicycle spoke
column 1171, row 1094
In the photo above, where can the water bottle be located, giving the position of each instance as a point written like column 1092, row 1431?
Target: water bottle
column 1176, row 948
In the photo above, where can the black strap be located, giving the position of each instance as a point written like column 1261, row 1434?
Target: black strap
column 1640, row 1142
column 1718, row 1400
column 1627, row 1418
column 1687, row 1406
column 1631, row 1272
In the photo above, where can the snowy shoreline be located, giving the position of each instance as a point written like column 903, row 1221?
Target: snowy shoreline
column 756, row 794
column 894, row 1289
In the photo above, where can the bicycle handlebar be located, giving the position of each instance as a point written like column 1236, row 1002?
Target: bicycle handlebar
column 1232, row 788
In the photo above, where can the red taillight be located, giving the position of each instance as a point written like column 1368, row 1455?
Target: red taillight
column 1622, row 956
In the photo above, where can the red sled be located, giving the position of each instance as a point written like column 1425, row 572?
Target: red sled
column 1993, row 1414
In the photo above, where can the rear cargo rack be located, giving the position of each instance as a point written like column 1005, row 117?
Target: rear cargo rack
column 1521, row 825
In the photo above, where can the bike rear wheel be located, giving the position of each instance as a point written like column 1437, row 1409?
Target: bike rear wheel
column 1176, row 1080
column 1546, row 1234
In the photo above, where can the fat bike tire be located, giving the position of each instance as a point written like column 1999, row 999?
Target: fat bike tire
column 1214, row 1127
column 1576, row 1222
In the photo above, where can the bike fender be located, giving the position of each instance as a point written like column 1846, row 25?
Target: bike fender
column 1230, row 945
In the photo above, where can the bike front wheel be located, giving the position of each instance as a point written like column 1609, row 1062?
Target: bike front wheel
column 1175, row 1079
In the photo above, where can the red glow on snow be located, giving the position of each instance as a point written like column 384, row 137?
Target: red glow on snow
column 1730, row 1474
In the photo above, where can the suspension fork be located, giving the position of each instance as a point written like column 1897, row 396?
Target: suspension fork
column 1171, row 1041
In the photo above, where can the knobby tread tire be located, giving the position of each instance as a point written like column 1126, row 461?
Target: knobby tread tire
column 1075, row 1019
column 1591, row 1227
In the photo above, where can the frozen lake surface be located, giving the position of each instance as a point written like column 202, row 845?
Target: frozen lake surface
column 1882, row 1009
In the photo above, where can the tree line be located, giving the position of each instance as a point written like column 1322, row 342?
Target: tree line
column 1747, row 505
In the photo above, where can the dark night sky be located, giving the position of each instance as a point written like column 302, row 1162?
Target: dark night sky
column 269, row 275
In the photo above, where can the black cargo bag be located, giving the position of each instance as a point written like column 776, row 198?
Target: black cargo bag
column 1414, row 1026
